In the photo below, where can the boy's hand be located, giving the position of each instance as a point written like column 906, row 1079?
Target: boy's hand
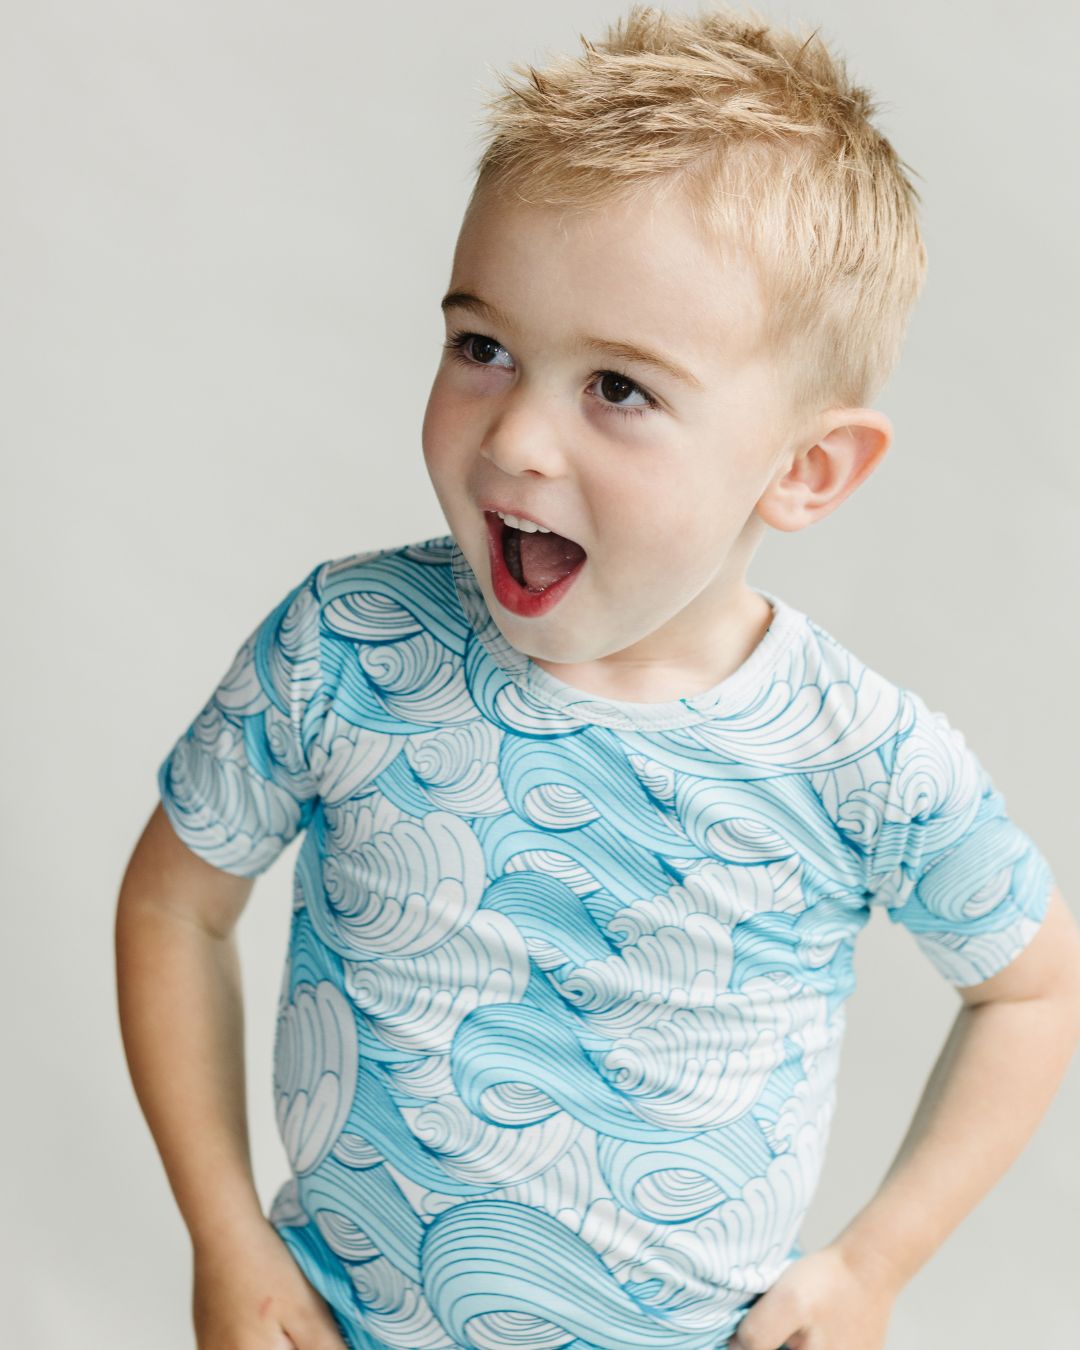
column 251, row 1295
column 821, row 1302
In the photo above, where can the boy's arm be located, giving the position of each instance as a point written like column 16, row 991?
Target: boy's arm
column 181, row 1018
column 996, row 1075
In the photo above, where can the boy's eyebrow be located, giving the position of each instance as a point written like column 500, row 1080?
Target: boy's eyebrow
column 626, row 351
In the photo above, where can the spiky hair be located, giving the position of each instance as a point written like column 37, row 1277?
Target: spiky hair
column 761, row 132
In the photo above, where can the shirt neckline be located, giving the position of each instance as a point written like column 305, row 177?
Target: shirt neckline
column 722, row 699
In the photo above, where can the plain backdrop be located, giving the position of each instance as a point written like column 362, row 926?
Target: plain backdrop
column 225, row 231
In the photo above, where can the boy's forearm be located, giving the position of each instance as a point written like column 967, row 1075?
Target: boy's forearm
column 181, row 1016
column 996, row 1075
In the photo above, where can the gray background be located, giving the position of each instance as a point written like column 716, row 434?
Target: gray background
column 226, row 229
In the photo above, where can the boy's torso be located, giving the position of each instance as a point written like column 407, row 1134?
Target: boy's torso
column 561, row 1018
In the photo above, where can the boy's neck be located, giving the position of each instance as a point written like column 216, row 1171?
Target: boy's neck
column 642, row 674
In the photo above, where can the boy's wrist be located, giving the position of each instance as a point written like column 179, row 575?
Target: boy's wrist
column 869, row 1264
column 228, row 1229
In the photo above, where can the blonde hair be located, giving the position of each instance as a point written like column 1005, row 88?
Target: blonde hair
column 768, row 141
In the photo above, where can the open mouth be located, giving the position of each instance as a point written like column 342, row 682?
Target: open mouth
column 530, row 568
column 537, row 559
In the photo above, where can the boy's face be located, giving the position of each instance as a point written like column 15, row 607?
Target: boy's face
column 661, row 498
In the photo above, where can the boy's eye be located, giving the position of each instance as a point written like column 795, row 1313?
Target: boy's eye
column 462, row 342
column 611, row 381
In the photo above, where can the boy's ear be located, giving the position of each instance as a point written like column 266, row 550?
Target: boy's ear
column 825, row 466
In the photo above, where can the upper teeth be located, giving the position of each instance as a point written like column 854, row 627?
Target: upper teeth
column 519, row 523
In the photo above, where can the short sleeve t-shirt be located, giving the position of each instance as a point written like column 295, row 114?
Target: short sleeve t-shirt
column 562, row 1008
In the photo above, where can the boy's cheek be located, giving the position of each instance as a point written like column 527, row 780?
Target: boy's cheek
column 446, row 420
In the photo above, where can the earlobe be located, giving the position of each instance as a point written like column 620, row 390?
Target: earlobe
column 849, row 445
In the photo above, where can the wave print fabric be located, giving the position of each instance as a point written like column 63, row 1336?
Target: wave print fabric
column 562, row 1009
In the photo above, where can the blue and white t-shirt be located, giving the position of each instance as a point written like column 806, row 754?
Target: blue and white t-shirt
column 563, row 1003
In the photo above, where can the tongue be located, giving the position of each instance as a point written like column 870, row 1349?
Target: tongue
column 546, row 557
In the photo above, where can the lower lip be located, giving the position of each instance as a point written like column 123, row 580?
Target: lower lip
column 528, row 604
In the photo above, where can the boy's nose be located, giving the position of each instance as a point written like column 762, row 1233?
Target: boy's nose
column 524, row 438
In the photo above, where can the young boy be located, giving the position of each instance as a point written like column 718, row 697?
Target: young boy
column 590, row 824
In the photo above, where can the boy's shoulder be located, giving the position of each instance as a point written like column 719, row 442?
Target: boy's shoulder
column 370, row 568
column 840, row 707
column 380, row 594
column 849, row 682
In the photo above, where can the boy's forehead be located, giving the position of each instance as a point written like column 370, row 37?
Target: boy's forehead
column 646, row 269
